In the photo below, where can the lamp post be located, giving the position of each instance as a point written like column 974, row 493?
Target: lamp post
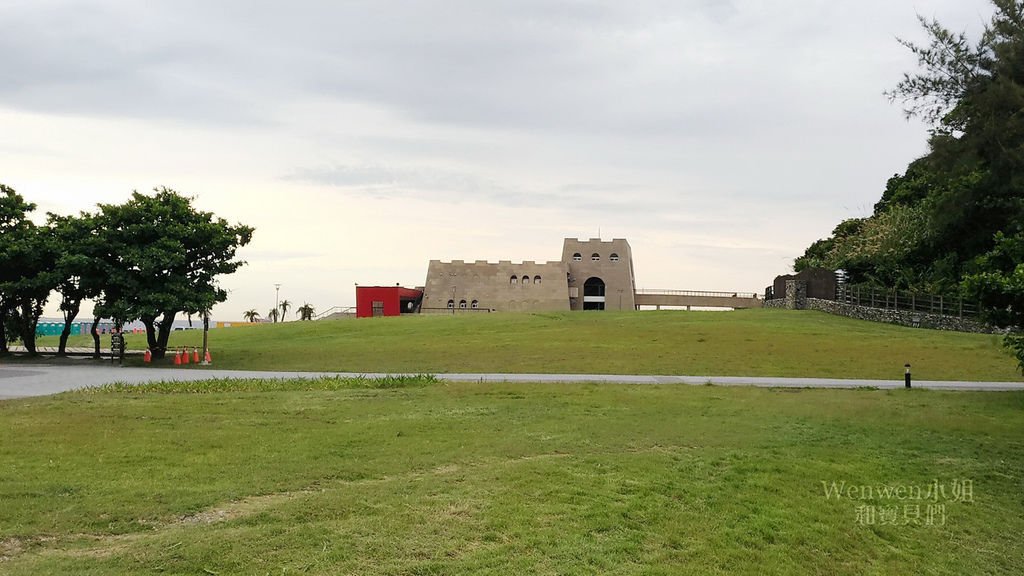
column 277, row 299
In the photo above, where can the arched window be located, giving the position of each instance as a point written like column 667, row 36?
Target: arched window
column 526, row 279
column 451, row 303
column 462, row 304
column 577, row 257
column 475, row 304
column 614, row 257
column 513, row 280
column 536, row 279
column 595, row 257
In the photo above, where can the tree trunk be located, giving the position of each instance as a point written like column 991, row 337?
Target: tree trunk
column 27, row 327
column 157, row 334
column 95, row 338
column 166, row 326
column 3, row 331
column 157, row 353
column 69, row 316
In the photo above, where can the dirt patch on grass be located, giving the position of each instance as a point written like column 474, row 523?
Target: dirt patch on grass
column 241, row 508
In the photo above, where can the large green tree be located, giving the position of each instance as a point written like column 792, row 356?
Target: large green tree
column 80, row 269
column 164, row 258
column 27, row 254
column 13, row 224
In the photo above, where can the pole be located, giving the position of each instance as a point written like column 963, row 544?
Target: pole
column 206, row 335
column 277, row 300
column 906, row 376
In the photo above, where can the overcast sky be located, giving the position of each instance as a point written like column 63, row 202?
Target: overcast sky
column 363, row 138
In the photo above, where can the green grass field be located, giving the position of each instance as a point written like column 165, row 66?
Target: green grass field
column 421, row 477
column 741, row 343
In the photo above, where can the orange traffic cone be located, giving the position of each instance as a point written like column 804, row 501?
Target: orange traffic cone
column 177, row 358
column 208, row 358
column 195, row 356
column 147, row 357
column 184, row 356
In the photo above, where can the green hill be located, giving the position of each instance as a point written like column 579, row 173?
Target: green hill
column 741, row 343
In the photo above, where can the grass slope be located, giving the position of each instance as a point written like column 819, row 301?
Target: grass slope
column 741, row 343
column 338, row 477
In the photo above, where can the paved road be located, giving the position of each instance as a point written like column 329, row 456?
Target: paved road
column 23, row 380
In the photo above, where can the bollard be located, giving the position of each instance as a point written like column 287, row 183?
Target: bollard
column 906, row 376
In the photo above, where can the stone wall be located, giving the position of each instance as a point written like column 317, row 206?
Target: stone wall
column 819, row 282
column 889, row 316
column 503, row 286
column 796, row 294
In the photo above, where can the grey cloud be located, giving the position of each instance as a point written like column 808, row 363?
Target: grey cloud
column 641, row 67
column 453, row 186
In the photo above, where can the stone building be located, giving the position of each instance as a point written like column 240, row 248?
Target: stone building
column 592, row 275
column 600, row 274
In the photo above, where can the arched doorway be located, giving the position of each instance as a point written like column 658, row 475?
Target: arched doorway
column 593, row 294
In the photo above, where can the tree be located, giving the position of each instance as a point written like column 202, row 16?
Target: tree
column 27, row 254
column 273, row 314
column 251, row 315
column 284, row 306
column 999, row 286
column 164, row 258
column 820, row 253
column 305, row 312
column 973, row 95
column 13, row 222
column 80, row 270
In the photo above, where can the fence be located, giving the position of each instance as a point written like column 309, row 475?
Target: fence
column 697, row 293
column 892, row 299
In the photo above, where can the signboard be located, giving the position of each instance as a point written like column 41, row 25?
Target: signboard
column 116, row 346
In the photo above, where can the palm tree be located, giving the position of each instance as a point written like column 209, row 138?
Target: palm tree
column 251, row 315
column 284, row 306
column 272, row 315
column 305, row 312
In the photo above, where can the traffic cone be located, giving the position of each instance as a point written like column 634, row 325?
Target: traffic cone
column 184, row 356
column 195, row 356
column 177, row 358
column 147, row 357
column 209, row 360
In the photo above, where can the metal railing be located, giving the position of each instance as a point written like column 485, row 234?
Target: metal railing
column 892, row 299
column 336, row 309
column 697, row 293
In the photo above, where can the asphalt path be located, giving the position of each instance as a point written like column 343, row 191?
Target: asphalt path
column 23, row 380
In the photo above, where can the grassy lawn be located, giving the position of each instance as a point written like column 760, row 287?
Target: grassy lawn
column 741, row 343
column 419, row 477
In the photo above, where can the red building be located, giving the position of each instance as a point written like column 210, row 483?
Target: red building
column 386, row 301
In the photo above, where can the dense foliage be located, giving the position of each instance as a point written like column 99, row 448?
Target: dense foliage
column 954, row 220
column 147, row 259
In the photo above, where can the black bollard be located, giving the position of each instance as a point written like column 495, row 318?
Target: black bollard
column 906, row 377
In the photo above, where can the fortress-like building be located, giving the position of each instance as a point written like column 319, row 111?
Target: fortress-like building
column 592, row 275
